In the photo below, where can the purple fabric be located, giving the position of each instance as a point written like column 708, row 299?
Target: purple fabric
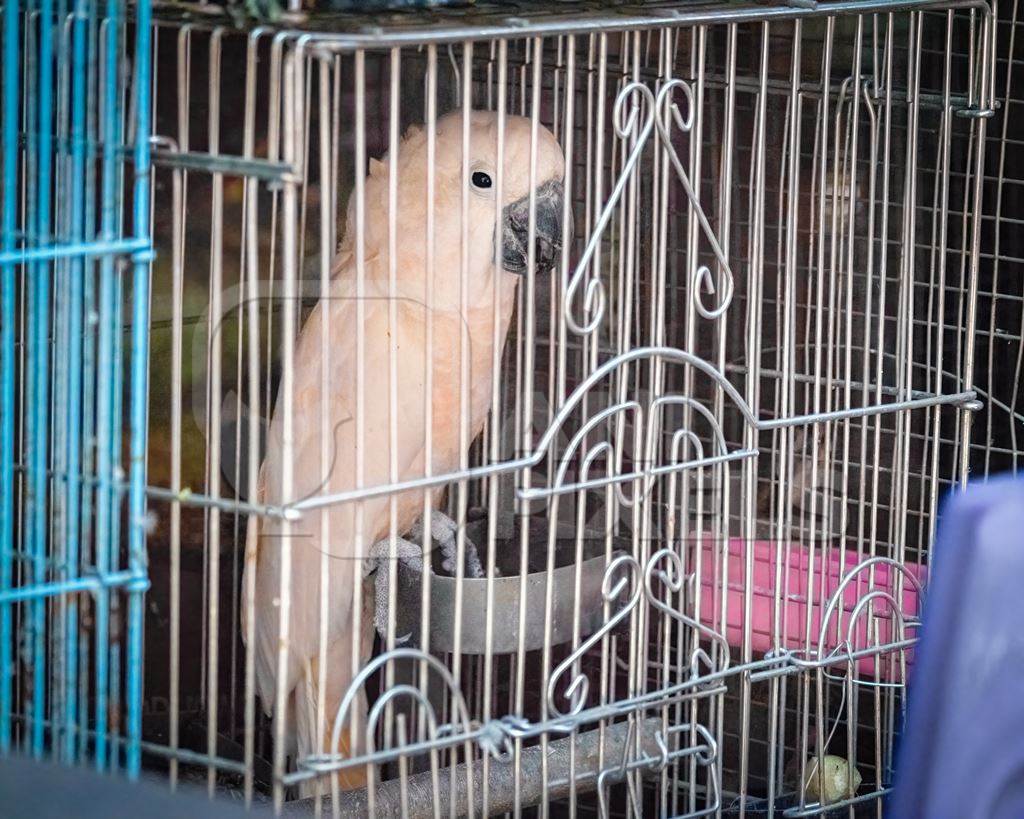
column 962, row 753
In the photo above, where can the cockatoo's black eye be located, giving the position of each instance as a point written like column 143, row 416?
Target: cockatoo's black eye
column 481, row 180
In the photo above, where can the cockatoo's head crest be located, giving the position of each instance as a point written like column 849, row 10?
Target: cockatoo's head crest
column 466, row 210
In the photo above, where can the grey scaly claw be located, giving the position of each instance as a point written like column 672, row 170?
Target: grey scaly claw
column 407, row 553
column 445, row 531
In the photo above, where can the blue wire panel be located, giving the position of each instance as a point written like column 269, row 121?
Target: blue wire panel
column 75, row 251
column 963, row 749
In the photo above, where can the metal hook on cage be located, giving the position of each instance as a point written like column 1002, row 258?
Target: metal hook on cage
column 662, row 762
column 579, row 687
column 673, row 577
column 656, row 427
column 618, row 772
column 702, row 279
column 721, row 463
column 627, row 124
column 707, row 757
column 705, row 754
column 602, row 785
column 869, row 92
column 676, row 448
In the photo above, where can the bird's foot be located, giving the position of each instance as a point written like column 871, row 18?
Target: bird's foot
column 445, row 531
column 405, row 552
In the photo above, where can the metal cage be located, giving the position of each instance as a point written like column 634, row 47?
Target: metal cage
column 75, row 269
column 692, row 532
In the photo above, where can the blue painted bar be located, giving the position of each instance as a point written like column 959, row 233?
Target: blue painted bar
column 117, row 602
column 89, row 355
column 87, row 583
column 115, row 247
column 59, row 390
column 38, row 406
column 71, row 484
column 30, row 222
column 114, row 695
column 33, row 513
column 139, row 391
column 116, row 614
column 74, row 405
column 12, row 79
column 105, row 365
column 60, row 341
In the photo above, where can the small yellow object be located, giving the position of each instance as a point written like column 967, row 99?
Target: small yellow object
column 834, row 781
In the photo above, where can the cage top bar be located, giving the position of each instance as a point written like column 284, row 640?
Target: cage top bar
column 348, row 31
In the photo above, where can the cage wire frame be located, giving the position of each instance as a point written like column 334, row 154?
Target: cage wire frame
column 657, row 727
column 314, row 41
column 75, row 239
column 994, row 445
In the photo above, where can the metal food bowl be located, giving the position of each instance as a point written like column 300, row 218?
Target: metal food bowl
column 587, row 604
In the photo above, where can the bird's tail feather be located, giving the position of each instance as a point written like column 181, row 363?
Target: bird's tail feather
column 308, row 737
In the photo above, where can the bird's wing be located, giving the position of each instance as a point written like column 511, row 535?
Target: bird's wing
column 318, row 470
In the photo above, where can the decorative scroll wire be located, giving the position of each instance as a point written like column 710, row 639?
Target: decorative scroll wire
column 672, row 577
column 579, row 687
column 702, row 276
column 648, row 474
column 602, row 447
column 626, row 126
column 863, row 608
column 787, row 660
column 496, row 737
column 655, row 430
column 295, row 510
column 660, row 112
column 462, row 712
column 706, row 755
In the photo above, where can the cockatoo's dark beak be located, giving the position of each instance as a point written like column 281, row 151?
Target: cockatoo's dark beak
column 547, row 230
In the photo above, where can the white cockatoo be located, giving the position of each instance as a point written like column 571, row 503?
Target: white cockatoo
column 451, row 311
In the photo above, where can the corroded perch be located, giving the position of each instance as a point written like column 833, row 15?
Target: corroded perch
column 418, row 790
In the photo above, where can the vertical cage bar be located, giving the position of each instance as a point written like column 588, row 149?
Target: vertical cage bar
column 977, row 196
column 38, row 360
column 73, row 410
column 213, row 400
column 651, row 252
column 137, row 523
column 12, row 75
column 106, row 493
